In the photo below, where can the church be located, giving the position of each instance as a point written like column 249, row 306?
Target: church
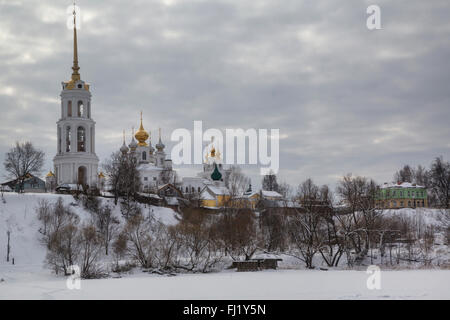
column 75, row 161
column 154, row 169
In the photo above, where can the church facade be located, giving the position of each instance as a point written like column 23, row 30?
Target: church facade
column 154, row 168
column 76, row 161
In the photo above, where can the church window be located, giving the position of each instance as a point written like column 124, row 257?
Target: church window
column 145, row 178
column 80, row 86
column 69, row 108
column 81, row 139
column 68, row 139
column 187, row 189
column 89, row 110
column 193, row 190
column 80, row 109
column 144, row 155
column 198, row 189
column 59, row 139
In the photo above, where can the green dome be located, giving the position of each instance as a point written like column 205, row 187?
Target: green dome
column 216, row 175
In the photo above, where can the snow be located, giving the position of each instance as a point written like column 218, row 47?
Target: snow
column 281, row 284
column 18, row 215
column 401, row 185
column 271, row 194
column 29, row 279
column 425, row 215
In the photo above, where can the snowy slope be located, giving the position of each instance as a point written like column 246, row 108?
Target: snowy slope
column 18, row 215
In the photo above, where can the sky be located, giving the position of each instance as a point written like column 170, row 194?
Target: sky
column 346, row 99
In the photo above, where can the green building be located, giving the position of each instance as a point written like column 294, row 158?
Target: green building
column 401, row 195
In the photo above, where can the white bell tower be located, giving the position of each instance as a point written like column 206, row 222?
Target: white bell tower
column 75, row 161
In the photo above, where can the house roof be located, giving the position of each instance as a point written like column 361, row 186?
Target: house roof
column 274, row 194
column 400, row 185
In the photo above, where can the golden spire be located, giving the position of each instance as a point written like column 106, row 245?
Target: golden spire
column 142, row 135
column 75, row 67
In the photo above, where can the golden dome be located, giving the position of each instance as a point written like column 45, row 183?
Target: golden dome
column 101, row 175
column 142, row 135
column 213, row 152
column 50, row 174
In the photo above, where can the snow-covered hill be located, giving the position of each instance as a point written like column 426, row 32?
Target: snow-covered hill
column 18, row 215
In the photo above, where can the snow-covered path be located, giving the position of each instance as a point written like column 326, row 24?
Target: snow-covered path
column 282, row 284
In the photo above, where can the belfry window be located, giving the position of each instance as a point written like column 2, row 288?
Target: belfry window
column 69, row 108
column 68, row 139
column 144, row 155
column 81, row 133
column 80, row 109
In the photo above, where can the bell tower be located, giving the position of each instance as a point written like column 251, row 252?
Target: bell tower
column 75, row 161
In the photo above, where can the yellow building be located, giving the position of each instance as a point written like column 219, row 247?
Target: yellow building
column 214, row 196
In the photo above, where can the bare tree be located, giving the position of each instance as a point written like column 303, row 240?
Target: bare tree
column 123, row 176
column 440, row 181
column 303, row 227
column 406, row 174
column 269, row 182
column 23, row 160
column 89, row 243
column 237, row 182
column 107, row 225
column 238, row 231
column 8, row 247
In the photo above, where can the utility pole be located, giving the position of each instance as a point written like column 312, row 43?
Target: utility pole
column 8, row 248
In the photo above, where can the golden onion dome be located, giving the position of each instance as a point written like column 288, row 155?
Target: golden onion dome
column 213, row 152
column 50, row 174
column 142, row 135
column 101, row 175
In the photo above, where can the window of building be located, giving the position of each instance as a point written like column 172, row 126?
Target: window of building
column 81, row 138
column 80, row 109
column 68, row 139
column 145, row 178
column 144, row 155
column 69, row 108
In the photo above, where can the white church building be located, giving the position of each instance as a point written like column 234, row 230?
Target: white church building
column 75, row 161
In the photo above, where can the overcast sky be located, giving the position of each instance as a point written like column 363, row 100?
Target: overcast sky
column 346, row 99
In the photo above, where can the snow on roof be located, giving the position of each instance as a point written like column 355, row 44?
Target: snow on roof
column 400, row 185
column 207, row 196
column 218, row 190
column 267, row 193
column 149, row 195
